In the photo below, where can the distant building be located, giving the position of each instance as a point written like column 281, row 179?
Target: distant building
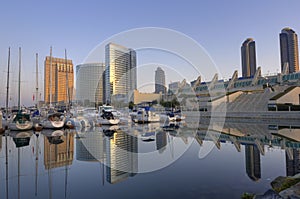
column 248, row 58
column 289, row 50
column 252, row 156
column 120, row 72
column 89, row 83
column 58, row 86
column 174, row 86
column 145, row 97
column 160, row 81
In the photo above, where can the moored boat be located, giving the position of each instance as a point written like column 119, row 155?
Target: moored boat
column 146, row 115
column 107, row 118
column 54, row 121
column 21, row 122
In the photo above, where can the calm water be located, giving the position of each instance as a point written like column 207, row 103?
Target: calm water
column 143, row 161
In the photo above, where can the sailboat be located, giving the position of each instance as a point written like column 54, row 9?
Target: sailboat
column 36, row 115
column 21, row 121
column 5, row 120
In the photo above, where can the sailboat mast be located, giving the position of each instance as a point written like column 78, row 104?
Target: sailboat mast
column 19, row 84
column 37, row 80
column 67, row 81
column 50, row 75
column 7, row 87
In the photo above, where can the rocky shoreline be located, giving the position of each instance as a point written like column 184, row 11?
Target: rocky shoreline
column 282, row 188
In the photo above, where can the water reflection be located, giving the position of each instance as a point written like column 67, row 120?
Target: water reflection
column 45, row 166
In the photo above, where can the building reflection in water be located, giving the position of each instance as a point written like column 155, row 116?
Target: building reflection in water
column 292, row 162
column 58, row 149
column 90, row 147
column 121, row 157
column 252, row 156
column 1, row 143
column 161, row 141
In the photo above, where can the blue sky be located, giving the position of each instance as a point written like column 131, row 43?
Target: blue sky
column 219, row 26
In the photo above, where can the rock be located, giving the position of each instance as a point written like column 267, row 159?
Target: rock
column 278, row 182
column 281, row 183
column 270, row 194
column 291, row 193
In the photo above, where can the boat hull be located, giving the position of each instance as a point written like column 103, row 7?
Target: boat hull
column 108, row 121
column 16, row 126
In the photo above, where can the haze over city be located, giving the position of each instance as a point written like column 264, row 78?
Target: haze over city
column 80, row 26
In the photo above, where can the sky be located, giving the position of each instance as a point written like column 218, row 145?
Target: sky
column 218, row 26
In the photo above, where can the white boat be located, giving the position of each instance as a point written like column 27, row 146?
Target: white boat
column 145, row 115
column 107, row 118
column 20, row 122
column 54, row 121
column 111, row 109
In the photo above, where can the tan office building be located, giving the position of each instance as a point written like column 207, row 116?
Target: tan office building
column 56, row 80
column 289, row 51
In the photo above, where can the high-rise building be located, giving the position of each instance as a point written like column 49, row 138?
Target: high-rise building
column 61, row 84
column 120, row 72
column 289, row 50
column 252, row 156
column 160, row 81
column 248, row 55
column 89, row 83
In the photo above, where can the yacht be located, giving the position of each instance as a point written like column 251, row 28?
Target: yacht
column 108, row 118
column 146, row 115
column 54, row 120
column 21, row 122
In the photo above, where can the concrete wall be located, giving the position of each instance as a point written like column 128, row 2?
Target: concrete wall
column 291, row 97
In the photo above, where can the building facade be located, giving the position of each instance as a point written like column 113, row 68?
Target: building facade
column 173, row 87
column 120, row 72
column 289, row 51
column 89, row 83
column 248, row 55
column 160, row 81
column 58, row 80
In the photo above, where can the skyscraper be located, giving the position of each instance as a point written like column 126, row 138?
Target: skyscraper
column 89, row 83
column 248, row 58
column 120, row 72
column 160, row 81
column 289, row 50
column 58, row 84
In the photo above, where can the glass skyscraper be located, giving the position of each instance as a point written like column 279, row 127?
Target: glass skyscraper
column 120, row 72
column 89, row 82
column 248, row 58
column 160, row 81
